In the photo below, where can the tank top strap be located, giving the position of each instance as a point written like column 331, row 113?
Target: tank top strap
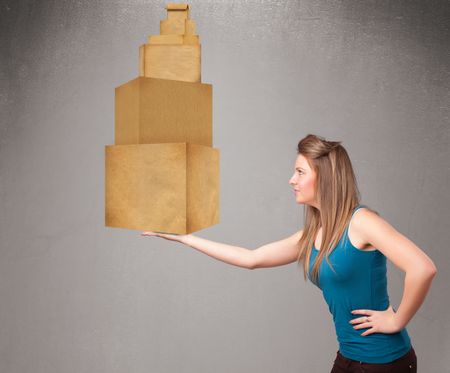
column 345, row 236
column 353, row 213
column 357, row 208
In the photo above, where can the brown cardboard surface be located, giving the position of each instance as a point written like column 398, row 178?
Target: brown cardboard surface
column 177, row 6
column 176, row 62
column 190, row 27
column 152, row 110
column 177, row 15
column 172, row 187
column 173, row 39
column 203, row 188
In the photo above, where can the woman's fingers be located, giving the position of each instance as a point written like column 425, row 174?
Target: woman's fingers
column 167, row 236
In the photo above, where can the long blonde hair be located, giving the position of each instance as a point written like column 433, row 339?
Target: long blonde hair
column 336, row 193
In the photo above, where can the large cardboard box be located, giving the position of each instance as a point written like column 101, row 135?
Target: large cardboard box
column 171, row 187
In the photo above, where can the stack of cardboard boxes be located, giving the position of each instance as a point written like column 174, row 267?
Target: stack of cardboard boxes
column 162, row 173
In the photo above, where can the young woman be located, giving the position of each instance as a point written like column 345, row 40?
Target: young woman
column 343, row 248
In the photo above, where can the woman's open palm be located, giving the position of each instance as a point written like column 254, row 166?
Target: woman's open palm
column 167, row 236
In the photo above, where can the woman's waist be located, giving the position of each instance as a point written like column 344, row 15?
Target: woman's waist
column 347, row 331
column 395, row 356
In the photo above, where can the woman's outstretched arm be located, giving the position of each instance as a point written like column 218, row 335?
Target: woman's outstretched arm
column 270, row 255
column 229, row 254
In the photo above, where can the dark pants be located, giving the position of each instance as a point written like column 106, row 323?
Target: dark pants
column 405, row 364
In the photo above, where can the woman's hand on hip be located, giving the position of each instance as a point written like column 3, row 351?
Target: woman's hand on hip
column 377, row 321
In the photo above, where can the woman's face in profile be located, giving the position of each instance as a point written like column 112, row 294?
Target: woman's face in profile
column 303, row 181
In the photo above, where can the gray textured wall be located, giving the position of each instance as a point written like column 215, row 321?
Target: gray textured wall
column 79, row 297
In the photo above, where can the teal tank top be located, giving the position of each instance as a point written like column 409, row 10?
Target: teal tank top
column 360, row 282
